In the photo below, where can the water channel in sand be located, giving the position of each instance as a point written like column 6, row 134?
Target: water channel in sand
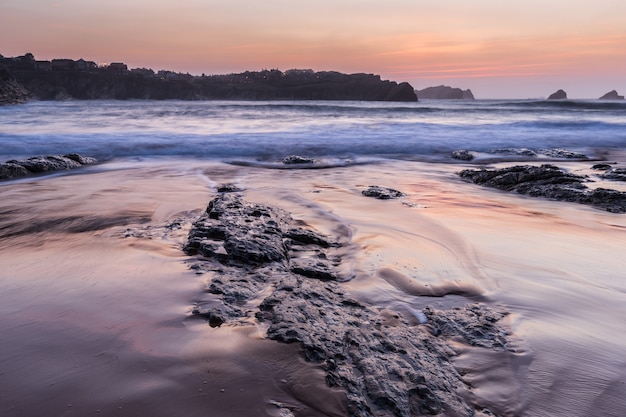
column 96, row 321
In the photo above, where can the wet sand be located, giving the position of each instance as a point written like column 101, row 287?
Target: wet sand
column 96, row 294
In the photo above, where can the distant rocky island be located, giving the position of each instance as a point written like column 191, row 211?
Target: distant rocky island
column 611, row 95
column 61, row 79
column 558, row 95
column 444, row 92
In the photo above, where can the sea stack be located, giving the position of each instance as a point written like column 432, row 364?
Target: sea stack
column 558, row 95
column 444, row 92
column 611, row 95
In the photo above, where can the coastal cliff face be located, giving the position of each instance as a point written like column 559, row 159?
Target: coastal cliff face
column 11, row 92
column 263, row 85
column 444, row 92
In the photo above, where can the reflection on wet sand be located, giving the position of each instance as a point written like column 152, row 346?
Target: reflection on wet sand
column 96, row 295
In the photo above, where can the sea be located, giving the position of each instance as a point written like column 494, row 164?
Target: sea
column 97, row 296
column 361, row 131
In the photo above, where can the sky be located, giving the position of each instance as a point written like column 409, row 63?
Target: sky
column 498, row 49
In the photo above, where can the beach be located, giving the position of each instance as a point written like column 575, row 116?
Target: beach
column 97, row 293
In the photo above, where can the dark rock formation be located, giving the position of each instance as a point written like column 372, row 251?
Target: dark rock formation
column 462, row 155
column 558, row 95
column 601, row 167
column 11, row 92
column 382, row 193
column 548, row 181
column 444, row 92
column 515, row 151
column 295, row 159
column 611, row 95
column 267, row 267
column 562, row 154
column 615, row 174
column 41, row 164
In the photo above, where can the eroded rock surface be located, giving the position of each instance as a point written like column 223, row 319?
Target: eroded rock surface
column 382, row 193
column 39, row 164
column 462, row 155
column 548, row 181
column 296, row 159
column 267, row 267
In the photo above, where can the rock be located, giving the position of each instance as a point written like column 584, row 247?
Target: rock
column 615, row 174
column 516, row 151
column 11, row 170
column 295, row 159
column 611, row 95
column 558, row 95
column 40, row 164
column 462, row 155
column 601, row 167
column 562, row 153
column 385, row 368
column 548, row 181
column 382, row 193
column 444, row 92
column 228, row 188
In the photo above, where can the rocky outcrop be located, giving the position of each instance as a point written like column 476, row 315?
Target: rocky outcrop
column 42, row 164
column 611, row 95
column 382, row 193
column 558, row 95
column 11, row 92
column 548, row 181
column 462, row 155
column 268, row 268
column 444, row 92
column 297, row 160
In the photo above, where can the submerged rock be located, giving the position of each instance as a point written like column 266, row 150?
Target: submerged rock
column 39, row 164
column 462, row 155
column 562, row 154
column 548, row 181
column 295, row 159
column 615, row 174
column 386, row 367
column 382, row 193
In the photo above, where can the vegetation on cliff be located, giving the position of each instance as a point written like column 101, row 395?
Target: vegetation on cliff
column 66, row 79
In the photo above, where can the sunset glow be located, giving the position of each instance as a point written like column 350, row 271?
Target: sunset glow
column 495, row 48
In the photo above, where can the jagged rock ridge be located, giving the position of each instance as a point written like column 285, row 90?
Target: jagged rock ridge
column 387, row 365
column 548, row 181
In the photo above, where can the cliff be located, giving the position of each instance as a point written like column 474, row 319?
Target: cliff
column 444, row 92
column 11, row 92
column 66, row 81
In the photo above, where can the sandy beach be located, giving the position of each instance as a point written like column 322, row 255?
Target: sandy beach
column 97, row 295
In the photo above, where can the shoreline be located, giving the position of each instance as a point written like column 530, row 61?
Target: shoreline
column 443, row 230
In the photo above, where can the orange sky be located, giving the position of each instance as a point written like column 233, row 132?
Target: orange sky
column 497, row 49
